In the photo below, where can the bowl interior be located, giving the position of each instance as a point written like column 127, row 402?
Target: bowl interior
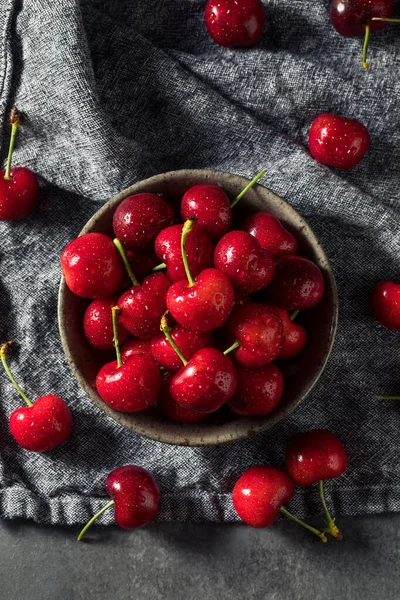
column 301, row 373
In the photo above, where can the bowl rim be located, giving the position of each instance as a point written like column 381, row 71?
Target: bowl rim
column 179, row 435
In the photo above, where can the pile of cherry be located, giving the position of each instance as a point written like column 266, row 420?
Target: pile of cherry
column 200, row 297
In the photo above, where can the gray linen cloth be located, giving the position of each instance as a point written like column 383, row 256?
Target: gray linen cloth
column 116, row 91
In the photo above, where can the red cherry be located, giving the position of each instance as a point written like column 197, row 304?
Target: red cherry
column 135, row 496
column 248, row 266
column 314, row 456
column 386, row 304
column 258, row 391
column 199, row 249
column 270, row 234
column 131, row 387
column 19, row 188
column 142, row 306
column 171, row 408
column 294, row 335
column 91, row 266
column 298, row 283
column 97, row 324
column 235, row 22
column 135, row 346
column 210, row 205
column 206, row 382
column 349, row 17
column 139, row 219
column 42, row 425
column 188, row 342
column 259, row 494
column 259, row 331
column 337, row 141
column 142, row 263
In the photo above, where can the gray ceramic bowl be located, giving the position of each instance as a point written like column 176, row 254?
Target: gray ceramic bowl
column 300, row 373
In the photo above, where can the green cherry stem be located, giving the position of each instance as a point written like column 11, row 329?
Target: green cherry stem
column 15, row 117
column 365, row 46
column 92, row 520
column 159, row 267
column 313, row 530
column 115, row 311
column 248, row 187
column 187, row 228
column 294, row 315
column 386, row 19
column 3, row 354
column 167, row 332
column 120, row 249
column 332, row 529
column 387, row 397
column 233, row 347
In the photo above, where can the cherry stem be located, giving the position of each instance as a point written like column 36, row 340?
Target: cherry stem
column 187, row 228
column 115, row 311
column 294, row 315
column 15, row 117
column 159, row 267
column 167, row 332
column 92, row 520
column 387, row 397
column 332, row 528
column 365, row 47
column 3, row 353
column 233, row 347
column 386, row 19
column 248, row 187
column 120, row 249
column 313, row 530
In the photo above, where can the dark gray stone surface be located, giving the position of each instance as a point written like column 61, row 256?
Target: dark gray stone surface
column 177, row 561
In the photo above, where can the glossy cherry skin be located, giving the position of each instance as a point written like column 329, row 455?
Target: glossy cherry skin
column 258, row 391
column 139, row 219
column 337, row 141
column 235, row 22
column 131, row 388
column 315, row 455
column 172, row 409
column 248, row 266
column 206, row 383
column 187, row 341
column 259, row 494
column 298, row 283
column 294, row 335
column 135, row 346
column 259, row 331
column 97, row 324
column 204, row 306
column 136, row 496
column 349, row 17
column 142, row 306
column 199, row 251
column 91, row 266
column 210, row 205
column 18, row 195
column 271, row 234
column 43, row 426
column 386, row 304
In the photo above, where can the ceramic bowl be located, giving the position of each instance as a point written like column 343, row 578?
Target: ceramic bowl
column 301, row 373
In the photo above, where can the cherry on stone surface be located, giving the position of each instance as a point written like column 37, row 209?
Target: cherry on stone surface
column 294, row 335
column 199, row 250
column 349, row 17
column 139, row 219
column 259, row 332
column 91, row 266
column 135, row 346
column 271, row 234
column 385, row 303
column 337, row 141
column 19, row 188
column 171, row 408
column 258, row 391
column 42, row 425
column 187, row 341
column 210, row 205
column 298, row 283
column 135, row 496
column 97, row 324
column 248, row 266
column 235, row 22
